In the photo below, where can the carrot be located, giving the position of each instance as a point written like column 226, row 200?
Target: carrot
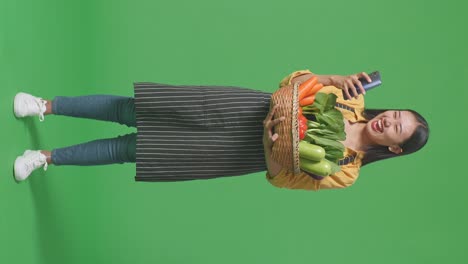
column 307, row 101
column 315, row 89
column 302, row 86
column 299, row 111
column 306, row 86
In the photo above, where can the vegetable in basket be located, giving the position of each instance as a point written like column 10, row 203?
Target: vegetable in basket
column 326, row 129
column 320, row 168
column 302, row 125
column 312, row 159
column 307, row 90
column 311, row 151
column 306, row 86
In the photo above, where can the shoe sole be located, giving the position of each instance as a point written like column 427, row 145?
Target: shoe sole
column 16, row 104
column 15, row 169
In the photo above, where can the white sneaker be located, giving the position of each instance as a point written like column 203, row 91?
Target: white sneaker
column 26, row 164
column 29, row 105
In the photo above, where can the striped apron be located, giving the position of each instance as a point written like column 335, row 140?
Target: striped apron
column 188, row 132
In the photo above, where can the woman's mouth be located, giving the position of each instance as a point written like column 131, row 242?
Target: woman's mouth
column 377, row 126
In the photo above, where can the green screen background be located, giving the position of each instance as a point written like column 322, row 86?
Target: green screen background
column 411, row 209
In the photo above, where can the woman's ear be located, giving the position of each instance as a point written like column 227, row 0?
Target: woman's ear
column 395, row 149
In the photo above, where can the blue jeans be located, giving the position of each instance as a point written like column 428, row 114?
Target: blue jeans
column 112, row 108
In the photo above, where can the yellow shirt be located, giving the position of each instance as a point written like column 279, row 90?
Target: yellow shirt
column 349, row 172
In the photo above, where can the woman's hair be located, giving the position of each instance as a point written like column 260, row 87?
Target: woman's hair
column 416, row 141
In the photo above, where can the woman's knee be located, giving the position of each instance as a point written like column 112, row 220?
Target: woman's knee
column 130, row 147
column 126, row 112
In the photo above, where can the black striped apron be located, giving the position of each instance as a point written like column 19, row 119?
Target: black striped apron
column 189, row 132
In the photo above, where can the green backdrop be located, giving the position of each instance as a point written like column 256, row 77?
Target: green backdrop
column 411, row 209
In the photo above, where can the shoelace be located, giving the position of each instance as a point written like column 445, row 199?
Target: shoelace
column 45, row 165
column 38, row 162
column 42, row 106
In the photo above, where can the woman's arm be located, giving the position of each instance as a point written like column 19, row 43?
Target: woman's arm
column 324, row 79
column 346, row 83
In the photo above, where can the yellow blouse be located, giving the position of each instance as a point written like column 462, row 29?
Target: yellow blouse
column 349, row 172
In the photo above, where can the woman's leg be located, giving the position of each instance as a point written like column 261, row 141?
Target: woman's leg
column 120, row 109
column 98, row 152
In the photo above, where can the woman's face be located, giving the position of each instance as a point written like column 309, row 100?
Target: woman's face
column 397, row 126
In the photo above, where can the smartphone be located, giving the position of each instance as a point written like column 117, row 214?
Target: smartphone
column 375, row 81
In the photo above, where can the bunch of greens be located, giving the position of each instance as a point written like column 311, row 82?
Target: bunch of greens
column 328, row 128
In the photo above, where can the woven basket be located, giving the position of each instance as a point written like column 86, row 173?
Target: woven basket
column 286, row 148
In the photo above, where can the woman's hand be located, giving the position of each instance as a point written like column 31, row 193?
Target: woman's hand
column 268, row 124
column 350, row 82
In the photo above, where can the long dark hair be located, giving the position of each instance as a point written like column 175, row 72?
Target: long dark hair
column 417, row 140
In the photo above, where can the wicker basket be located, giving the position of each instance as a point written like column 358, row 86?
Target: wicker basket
column 286, row 148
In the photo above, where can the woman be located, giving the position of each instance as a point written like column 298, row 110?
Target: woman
column 184, row 132
column 371, row 134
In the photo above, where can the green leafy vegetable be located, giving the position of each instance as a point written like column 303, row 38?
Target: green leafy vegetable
column 328, row 129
